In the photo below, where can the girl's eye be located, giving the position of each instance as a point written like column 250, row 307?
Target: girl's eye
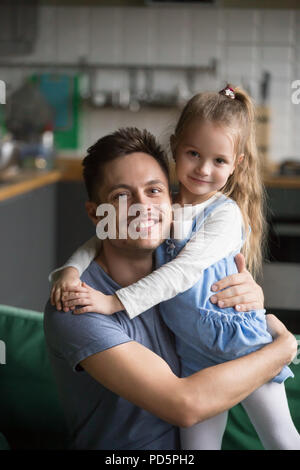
column 193, row 153
column 220, row 161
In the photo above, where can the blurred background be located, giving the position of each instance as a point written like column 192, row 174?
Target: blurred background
column 72, row 71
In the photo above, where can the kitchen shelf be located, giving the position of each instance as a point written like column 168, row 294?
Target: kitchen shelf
column 84, row 66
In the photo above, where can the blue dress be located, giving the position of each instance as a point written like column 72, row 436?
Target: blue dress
column 205, row 334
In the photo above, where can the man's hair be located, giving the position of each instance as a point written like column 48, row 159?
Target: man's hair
column 122, row 142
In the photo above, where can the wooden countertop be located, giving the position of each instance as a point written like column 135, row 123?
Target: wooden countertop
column 282, row 181
column 66, row 169
column 70, row 169
column 27, row 181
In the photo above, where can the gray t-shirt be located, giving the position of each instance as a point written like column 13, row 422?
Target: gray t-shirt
column 96, row 417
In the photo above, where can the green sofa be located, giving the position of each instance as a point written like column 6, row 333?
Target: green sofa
column 30, row 412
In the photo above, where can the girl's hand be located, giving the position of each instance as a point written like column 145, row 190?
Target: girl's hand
column 68, row 279
column 240, row 290
column 85, row 299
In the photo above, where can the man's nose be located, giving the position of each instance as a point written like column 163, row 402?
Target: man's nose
column 143, row 200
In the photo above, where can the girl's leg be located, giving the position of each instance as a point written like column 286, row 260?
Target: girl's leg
column 269, row 412
column 206, row 435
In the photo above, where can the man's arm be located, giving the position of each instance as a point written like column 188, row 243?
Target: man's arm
column 142, row 377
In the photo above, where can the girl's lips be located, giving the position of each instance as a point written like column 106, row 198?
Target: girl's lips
column 198, row 180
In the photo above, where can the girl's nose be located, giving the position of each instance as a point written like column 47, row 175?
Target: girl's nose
column 203, row 169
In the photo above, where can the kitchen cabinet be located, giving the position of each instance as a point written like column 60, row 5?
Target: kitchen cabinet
column 281, row 272
column 27, row 247
column 73, row 225
column 284, row 223
column 39, row 230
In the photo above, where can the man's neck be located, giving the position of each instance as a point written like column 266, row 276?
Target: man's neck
column 124, row 267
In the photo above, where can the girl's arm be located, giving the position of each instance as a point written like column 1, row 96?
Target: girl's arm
column 67, row 277
column 219, row 236
column 80, row 259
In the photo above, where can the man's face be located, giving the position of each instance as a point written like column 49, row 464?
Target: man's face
column 133, row 179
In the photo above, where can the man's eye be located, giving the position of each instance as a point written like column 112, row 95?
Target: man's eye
column 155, row 190
column 120, row 196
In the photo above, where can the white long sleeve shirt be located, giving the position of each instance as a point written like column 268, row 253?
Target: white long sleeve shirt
column 221, row 236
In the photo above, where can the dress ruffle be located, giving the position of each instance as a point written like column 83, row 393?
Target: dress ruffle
column 220, row 337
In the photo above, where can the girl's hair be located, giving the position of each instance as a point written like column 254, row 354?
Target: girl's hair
column 235, row 111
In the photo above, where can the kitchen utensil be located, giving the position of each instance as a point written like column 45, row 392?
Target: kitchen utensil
column 27, row 113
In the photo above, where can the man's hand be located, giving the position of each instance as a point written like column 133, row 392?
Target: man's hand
column 280, row 333
column 241, row 291
column 68, row 279
column 84, row 299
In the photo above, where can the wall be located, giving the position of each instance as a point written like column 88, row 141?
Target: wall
column 245, row 42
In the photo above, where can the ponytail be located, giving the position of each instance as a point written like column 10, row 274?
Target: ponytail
column 246, row 187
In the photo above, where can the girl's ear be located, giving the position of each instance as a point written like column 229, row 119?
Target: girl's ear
column 239, row 159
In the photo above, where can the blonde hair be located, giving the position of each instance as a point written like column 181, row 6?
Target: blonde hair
column 245, row 185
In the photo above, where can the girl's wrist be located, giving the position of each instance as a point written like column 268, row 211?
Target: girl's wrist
column 116, row 304
column 70, row 271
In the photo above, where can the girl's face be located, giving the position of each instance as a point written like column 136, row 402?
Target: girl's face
column 204, row 160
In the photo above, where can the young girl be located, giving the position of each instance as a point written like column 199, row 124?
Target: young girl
column 217, row 167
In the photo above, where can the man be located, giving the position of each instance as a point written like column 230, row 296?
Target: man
column 119, row 379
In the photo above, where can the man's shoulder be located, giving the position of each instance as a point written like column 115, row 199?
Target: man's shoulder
column 97, row 278
column 66, row 322
column 75, row 337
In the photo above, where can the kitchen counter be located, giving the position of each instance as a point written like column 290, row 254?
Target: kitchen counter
column 66, row 169
column 70, row 169
column 27, row 181
column 282, row 181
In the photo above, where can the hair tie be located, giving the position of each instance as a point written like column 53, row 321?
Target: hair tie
column 228, row 92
